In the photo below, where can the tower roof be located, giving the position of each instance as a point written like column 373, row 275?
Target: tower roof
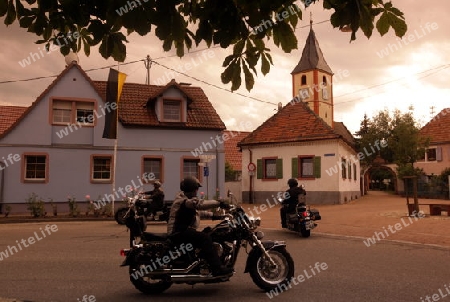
column 312, row 56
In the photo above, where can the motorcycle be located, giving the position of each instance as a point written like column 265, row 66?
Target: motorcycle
column 155, row 262
column 141, row 202
column 303, row 219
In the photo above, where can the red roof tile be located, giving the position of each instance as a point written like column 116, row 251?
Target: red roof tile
column 136, row 106
column 9, row 115
column 295, row 122
column 233, row 155
column 438, row 129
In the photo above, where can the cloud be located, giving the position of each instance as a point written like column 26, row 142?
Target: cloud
column 365, row 90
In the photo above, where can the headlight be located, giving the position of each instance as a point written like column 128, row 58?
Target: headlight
column 254, row 222
column 259, row 235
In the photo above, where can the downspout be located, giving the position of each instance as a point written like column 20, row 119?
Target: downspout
column 251, row 199
column 217, row 173
column 2, row 185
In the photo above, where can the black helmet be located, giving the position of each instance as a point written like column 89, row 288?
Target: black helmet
column 189, row 184
column 292, row 182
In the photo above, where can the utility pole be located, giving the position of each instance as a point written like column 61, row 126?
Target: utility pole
column 148, row 65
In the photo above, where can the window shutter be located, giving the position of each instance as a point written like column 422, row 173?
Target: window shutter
column 259, row 169
column 317, row 167
column 439, row 154
column 279, row 168
column 295, row 167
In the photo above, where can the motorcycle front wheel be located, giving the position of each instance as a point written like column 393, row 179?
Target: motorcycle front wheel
column 305, row 233
column 146, row 285
column 119, row 215
column 265, row 275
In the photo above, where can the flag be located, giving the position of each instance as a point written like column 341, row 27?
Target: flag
column 114, row 86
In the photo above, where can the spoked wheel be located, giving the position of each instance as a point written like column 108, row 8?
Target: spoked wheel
column 145, row 284
column 266, row 276
column 119, row 216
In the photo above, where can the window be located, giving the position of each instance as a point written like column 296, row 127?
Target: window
column 270, row 168
column 191, row 168
column 431, row 154
column 303, row 81
column 354, row 171
column 172, row 110
column 344, row 168
column 35, row 168
column 349, row 170
column 101, row 168
column 324, row 80
column 306, row 166
column 152, row 168
column 71, row 112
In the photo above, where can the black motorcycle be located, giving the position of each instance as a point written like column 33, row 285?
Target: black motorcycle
column 303, row 219
column 141, row 204
column 155, row 262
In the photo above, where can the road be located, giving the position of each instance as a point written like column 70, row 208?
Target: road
column 82, row 258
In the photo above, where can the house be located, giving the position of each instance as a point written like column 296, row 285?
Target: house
column 55, row 149
column 437, row 156
column 233, row 159
column 303, row 141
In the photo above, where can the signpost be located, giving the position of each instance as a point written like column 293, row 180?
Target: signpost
column 204, row 160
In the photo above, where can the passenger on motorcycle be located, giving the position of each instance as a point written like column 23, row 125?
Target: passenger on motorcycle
column 294, row 192
column 184, row 220
column 157, row 199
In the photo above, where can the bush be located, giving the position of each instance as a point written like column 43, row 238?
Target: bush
column 36, row 205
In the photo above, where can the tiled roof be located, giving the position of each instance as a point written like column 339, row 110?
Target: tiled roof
column 39, row 98
column 340, row 128
column 9, row 115
column 295, row 122
column 312, row 56
column 233, row 155
column 136, row 109
column 438, row 129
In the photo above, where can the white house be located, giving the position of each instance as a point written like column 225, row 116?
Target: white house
column 303, row 141
column 55, row 149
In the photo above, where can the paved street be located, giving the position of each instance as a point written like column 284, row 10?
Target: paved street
column 82, row 258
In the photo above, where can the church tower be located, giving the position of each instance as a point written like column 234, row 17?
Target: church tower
column 312, row 80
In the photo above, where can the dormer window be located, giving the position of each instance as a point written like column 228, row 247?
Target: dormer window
column 172, row 110
column 303, row 81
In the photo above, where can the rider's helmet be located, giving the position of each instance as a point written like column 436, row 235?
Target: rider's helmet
column 190, row 184
column 292, row 182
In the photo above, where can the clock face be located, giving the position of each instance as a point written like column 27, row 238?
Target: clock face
column 325, row 93
column 303, row 93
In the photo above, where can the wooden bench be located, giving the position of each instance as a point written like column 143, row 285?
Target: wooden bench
column 435, row 208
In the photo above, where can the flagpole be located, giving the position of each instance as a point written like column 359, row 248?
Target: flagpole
column 115, row 152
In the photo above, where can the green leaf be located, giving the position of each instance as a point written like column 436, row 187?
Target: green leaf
column 3, row 7
column 228, row 60
column 265, row 65
column 227, row 74
column 238, row 47
column 284, row 36
column 398, row 25
column 11, row 14
column 383, row 24
column 248, row 76
column 25, row 22
column 86, row 47
column 236, row 78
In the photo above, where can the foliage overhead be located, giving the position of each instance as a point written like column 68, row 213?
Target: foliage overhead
column 244, row 25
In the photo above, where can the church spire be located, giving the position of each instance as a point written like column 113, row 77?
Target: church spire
column 312, row 56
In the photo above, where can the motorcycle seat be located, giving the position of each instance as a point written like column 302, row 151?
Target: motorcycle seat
column 155, row 236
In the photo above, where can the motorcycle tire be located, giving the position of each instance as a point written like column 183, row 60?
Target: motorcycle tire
column 267, row 278
column 305, row 233
column 119, row 215
column 146, row 285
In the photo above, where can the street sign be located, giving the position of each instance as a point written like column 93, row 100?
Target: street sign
column 205, row 171
column 251, row 167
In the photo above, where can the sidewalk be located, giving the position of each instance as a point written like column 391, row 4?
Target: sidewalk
column 375, row 212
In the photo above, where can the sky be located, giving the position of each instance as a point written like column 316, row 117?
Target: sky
column 370, row 75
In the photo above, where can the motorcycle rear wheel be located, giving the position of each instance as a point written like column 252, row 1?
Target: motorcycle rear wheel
column 305, row 233
column 119, row 215
column 268, row 278
column 147, row 285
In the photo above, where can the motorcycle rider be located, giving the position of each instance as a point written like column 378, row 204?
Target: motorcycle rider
column 184, row 220
column 290, row 203
column 157, row 196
